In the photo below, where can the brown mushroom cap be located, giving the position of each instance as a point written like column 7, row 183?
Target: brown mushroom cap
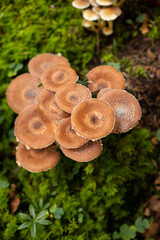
column 22, row 92
column 105, row 2
column 102, row 91
column 86, row 23
column 92, row 119
column 89, row 15
column 35, row 127
column 110, row 14
column 80, row 4
column 93, row 3
column 107, row 31
column 38, row 64
column 36, row 160
column 69, row 95
column 57, row 75
column 86, row 153
column 47, row 100
column 105, row 77
column 96, row 9
column 67, row 137
column 126, row 107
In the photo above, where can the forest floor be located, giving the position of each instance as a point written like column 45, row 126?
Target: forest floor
column 140, row 51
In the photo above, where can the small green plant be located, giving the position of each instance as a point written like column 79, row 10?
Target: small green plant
column 34, row 222
column 140, row 71
column 130, row 232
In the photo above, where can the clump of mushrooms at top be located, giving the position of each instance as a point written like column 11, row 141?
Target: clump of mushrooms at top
column 96, row 13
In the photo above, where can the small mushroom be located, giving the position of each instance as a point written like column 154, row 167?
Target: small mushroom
column 36, row 160
column 90, row 15
column 93, row 3
column 86, row 153
column 22, row 92
column 93, row 119
column 35, row 127
column 69, row 95
column 126, row 107
column 47, row 100
column 67, row 137
column 107, row 31
column 110, row 13
column 105, row 77
column 96, row 10
column 86, row 23
column 80, row 4
column 105, row 2
column 57, row 75
column 38, row 64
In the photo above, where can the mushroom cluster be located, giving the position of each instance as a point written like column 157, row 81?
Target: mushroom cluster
column 98, row 12
column 55, row 111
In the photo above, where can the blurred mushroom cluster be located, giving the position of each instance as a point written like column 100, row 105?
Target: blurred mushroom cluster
column 55, row 111
column 97, row 12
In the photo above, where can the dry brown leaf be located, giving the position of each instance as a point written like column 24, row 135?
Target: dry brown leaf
column 153, row 228
column 150, row 54
column 14, row 204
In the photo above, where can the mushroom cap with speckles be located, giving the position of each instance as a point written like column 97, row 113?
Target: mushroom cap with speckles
column 58, row 75
column 93, row 119
column 126, row 107
column 22, row 92
column 110, row 13
column 85, row 153
column 35, row 127
column 90, row 15
column 105, row 77
column 102, row 91
column 67, row 137
column 38, row 64
column 36, row 160
column 47, row 100
column 69, row 95
column 80, row 4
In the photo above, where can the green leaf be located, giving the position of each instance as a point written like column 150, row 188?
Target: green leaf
column 33, row 230
column 116, row 235
column 158, row 135
column 4, row 184
column 25, row 216
column 127, row 232
column 115, row 65
column 129, row 21
column 141, row 18
column 32, row 211
column 41, row 214
column 145, row 223
column 80, row 217
column 24, row 225
column 44, row 222
column 141, row 224
column 40, row 200
column 58, row 212
column 40, row 85
column 46, row 205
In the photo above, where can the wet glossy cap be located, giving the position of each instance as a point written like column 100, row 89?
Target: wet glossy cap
column 93, row 119
column 36, row 160
column 47, row 100
column 90, row 15
column 57, row 75
column 126, row 107
column 105, row 77
column 38, row 64
column 105, row 2
column 22, row 92
column 69, row 95
column 110, row 14
column 80, row 4
column 86, row 153
column 35, row 127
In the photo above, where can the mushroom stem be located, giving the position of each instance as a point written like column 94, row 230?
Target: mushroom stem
column 110, row 24
column 93, row 27
column 120, row 3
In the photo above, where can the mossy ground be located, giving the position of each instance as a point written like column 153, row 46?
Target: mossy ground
column 96, row 197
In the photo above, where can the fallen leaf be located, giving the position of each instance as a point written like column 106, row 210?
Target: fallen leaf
column 14, row 204
column 153, row 229
column 150, row 54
